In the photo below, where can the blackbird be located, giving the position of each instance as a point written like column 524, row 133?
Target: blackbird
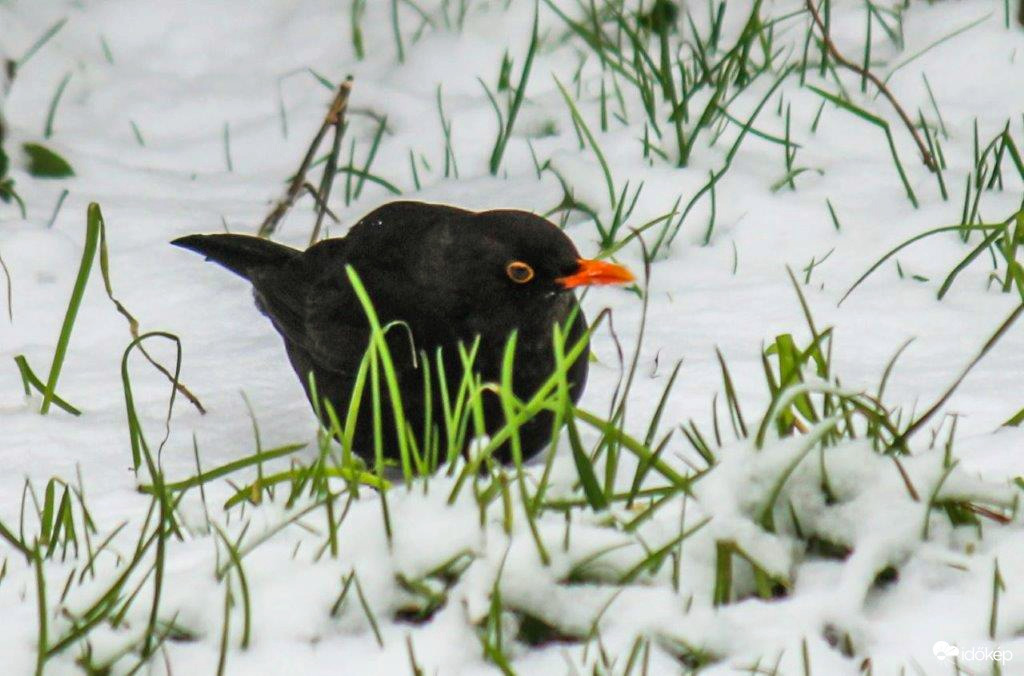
column 440, row 276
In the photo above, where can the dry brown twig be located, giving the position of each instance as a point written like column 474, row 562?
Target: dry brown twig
column 320, row 204
column 335, row 118
column 133, row 324
column 926, row 155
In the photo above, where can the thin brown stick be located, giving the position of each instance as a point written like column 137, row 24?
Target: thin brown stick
column 336, row 117
column 133, row 324
column 987, row 513
column 298, row 181
column 178, row 385
column 926, row 155
column 906, row 479
column 320, row 204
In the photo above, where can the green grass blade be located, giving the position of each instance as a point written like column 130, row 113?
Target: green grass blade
column 582, row 125
column 92, row 238
column 29, row 378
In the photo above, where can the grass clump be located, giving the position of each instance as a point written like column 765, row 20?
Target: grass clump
column 781, row 470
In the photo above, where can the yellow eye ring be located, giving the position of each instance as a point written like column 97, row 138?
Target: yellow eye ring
column 519, row 272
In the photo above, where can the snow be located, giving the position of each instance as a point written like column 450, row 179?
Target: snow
column 184, row 72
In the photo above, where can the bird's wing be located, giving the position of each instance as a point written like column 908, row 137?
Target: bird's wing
column 313, row 307
column 336, row 330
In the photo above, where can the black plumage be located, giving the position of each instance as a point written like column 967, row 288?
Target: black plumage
column 448, row 276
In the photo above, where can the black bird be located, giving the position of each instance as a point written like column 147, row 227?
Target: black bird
column 447, row 276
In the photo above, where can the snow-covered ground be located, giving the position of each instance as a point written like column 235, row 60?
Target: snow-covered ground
column 188, row 116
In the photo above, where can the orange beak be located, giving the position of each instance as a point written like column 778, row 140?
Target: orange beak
column 591, row 272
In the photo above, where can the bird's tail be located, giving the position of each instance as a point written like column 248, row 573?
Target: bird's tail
column 242, row 254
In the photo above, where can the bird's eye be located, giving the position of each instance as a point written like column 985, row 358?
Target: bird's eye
column 519, row 272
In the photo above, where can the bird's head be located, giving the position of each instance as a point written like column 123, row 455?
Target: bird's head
column 527, row 255
column 501, row 266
